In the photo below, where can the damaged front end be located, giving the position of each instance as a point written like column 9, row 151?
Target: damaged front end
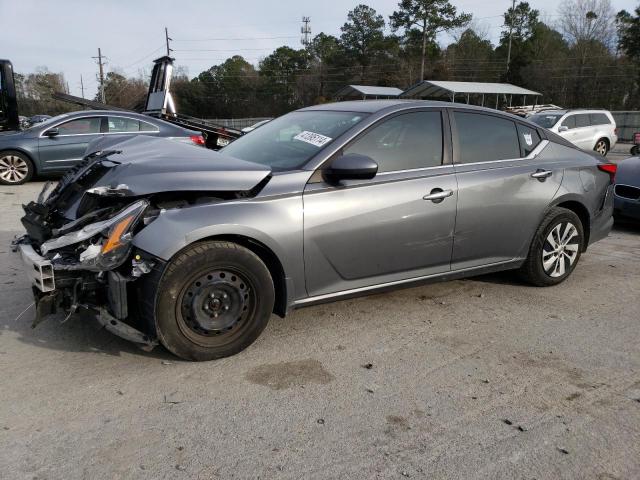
column 78, row 249
column 86, row 263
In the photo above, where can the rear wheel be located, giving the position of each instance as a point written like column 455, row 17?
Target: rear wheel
column 213, row 300
column 15, row 168
column 602, row 147
column 555, row 249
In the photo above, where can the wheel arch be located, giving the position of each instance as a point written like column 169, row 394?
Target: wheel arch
column 26, row 153
column 581, row 211
column 270, row 259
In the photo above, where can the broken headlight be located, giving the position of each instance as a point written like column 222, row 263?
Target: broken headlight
column 112, row 239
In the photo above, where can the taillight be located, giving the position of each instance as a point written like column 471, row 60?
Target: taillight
column 197, row 139
column 610, row 168
column 615, row 131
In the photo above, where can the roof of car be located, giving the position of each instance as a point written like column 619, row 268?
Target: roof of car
column 571, row 110
column 372, row 106
column 107, row 112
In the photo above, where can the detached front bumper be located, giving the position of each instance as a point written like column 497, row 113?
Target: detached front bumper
column 62, row 290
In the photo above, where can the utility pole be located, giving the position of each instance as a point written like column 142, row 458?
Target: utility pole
column 513, row 13
column 101, row 75
column 305, row 30
column 167, row 40
column 82, row 86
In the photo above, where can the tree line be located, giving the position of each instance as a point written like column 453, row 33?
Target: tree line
column 589, row 56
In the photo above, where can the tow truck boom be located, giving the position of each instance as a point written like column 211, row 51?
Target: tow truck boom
column 9, row 119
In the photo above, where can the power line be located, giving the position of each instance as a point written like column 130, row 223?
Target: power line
column 233, row 39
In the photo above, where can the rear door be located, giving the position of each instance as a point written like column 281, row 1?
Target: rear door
column 583, row 133
column 504, row 187
column 68, row 146
column 370, row 232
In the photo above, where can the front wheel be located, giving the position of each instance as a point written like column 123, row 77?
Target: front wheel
column 15, row 168
column 555, row 249
column 213, row 300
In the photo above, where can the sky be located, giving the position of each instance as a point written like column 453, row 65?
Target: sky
column 64, row 35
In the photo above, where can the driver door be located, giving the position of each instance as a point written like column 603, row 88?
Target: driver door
column 363, row 233
column 65, row 149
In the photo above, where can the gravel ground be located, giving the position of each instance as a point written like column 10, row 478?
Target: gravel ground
column 482, row 378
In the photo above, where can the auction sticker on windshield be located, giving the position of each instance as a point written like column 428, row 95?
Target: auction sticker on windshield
column 312, row 138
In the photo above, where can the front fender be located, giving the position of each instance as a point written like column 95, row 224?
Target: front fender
column 276, row 223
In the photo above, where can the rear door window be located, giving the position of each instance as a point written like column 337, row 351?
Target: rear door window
column 599, row 119
column 582, row 120
column 529, row 139
column 404, row 142
column 80, row 126
column 483, row 138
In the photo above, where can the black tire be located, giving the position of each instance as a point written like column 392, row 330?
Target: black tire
column 15, row 168
column 635, row 150
column 187, row 292
column 602, row 147
column 533, row 270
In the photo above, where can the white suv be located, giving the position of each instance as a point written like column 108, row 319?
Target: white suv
column 587, row 129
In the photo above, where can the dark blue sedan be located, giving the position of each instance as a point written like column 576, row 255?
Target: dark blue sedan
column 57, row 144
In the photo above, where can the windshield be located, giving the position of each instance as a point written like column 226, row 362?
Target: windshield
column 546, row 120
column 288, row 142
column 49, row 121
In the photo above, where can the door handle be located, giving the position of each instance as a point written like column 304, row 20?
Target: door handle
column 437, row 195
column 541, row 174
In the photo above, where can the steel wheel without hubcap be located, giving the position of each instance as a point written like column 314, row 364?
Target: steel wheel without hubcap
column 13, row 169
column 601, row 147
column 215, row 304
column 560, row 249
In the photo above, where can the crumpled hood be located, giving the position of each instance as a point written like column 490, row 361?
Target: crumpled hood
column 149, row 165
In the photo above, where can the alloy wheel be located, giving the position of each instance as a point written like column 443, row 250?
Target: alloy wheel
column 560, row 249
column 601, row 147
column 13, row 169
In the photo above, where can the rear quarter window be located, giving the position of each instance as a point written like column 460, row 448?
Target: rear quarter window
column 529, row 139
column 147, row 127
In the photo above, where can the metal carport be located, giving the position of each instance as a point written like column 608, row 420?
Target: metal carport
column 447, row 89
column 367, row 92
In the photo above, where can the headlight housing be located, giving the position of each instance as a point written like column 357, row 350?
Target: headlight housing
column 110, row 250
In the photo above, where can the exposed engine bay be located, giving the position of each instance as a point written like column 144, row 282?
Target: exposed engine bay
column 78, row 242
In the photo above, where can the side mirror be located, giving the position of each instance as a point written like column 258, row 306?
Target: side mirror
column 352, row 166
column 52, row 132
column 563, row 128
